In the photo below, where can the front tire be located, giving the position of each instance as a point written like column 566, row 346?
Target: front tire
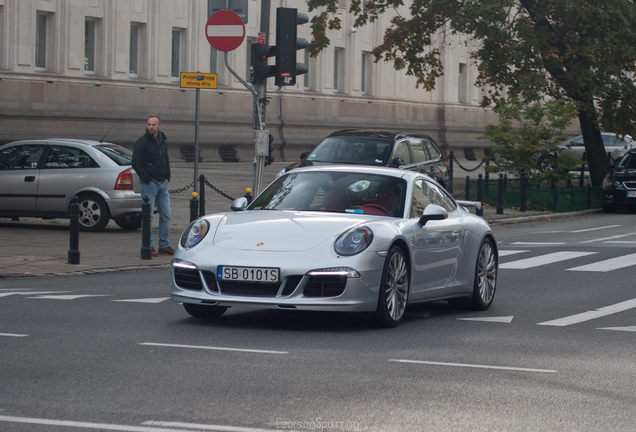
column 204, row 311
column 485, row 276
column 129, row 223
column 93, row 212
column 394, row 289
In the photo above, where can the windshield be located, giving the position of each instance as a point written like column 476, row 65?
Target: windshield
column 120, row 155
column 354, row 150
column 340, row 192
column 627, row 162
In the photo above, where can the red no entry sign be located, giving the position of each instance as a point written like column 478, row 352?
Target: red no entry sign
column 225, row 30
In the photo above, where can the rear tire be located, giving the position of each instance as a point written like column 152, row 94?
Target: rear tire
column 93, row 212
column 129, row 223
column 203, row 311
column 394, row 289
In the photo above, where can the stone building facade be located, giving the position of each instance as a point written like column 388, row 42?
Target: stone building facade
column 96, row 68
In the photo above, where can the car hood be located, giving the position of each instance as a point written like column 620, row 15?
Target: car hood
column 282, row 231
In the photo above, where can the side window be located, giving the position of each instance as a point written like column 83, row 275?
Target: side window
column 432, row 149
column 68, row 157
column 419, row 152
column 21, row 157
column 402, row 151
column 424, row 194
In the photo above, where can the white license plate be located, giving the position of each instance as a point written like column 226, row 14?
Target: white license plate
column 248, row 274
column 631, row 194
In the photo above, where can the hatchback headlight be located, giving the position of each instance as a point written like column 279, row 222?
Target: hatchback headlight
column 195, row 232
column 353, row 241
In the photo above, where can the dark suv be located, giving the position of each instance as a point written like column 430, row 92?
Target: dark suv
column 619, row 187
column 411, row 151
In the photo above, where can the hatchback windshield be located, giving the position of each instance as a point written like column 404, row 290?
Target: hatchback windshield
column 120, row 155
column 341, row 192
column 628, row 161
column 353, row 149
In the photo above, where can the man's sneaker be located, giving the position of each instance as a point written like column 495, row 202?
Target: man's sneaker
column 153, row 252
column 166, row 251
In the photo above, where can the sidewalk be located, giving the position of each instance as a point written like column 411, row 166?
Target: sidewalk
column 36, row 247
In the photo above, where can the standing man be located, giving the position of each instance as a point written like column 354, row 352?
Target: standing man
column 150, row 161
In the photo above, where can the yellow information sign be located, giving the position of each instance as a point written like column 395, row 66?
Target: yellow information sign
column 198, row 80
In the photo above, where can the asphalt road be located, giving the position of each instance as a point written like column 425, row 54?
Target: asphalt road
column 555, row 352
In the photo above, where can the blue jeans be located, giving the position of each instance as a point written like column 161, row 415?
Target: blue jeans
column 158, row 196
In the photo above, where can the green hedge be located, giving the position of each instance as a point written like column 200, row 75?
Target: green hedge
column 559, row 200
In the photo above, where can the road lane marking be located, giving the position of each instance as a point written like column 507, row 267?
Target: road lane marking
column 507, row 252
column 590, row 315
column 200, row 427
column 539, row 243
column 503, row 319
column 86, row 425
column 13, row 335
column 468, row 365
column 608, row 238
column 213, row 348
column 146, row 300
column 25, row 293
column 595, row 229
column 608, row 265
column 543, row 260
column 629, row 329
column 69, row 296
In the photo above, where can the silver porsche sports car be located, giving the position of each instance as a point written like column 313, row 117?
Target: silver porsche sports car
column 338, row 238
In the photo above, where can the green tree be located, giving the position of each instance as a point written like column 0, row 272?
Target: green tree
column 527, row 139
column 577, row 50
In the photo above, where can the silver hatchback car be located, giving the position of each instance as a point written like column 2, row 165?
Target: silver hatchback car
column 39, row 178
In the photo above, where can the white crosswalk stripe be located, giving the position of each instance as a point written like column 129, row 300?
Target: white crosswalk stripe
column 543, row 260
column 609, row 264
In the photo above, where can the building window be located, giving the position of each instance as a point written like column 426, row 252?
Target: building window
column 89, row 46
column 176, row 54
column 41, row 30
column 1, row 37
column 364, row 78
column 462, row 84
column 337, row 59
column 134, row 50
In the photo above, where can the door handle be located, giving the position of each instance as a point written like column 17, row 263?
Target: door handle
column 29, row 179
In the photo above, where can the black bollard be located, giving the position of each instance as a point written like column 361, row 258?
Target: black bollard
column 194, row 207
column 480, row 194
column 500, row 193
column 201, row 195
column 248, row 195
column 524, row 193
column 146, row 253
column 73, row 252
column 467, row 189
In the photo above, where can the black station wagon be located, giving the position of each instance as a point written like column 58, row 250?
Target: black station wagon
column 405, row 150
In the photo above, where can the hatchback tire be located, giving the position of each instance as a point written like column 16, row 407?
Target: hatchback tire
column 93, row 212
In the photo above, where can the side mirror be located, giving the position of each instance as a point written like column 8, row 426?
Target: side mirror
column 433, row 212
column 304, row 155
column 239, row 204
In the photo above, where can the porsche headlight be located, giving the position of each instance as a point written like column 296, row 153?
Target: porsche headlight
column 353, row 241
column 193, row 235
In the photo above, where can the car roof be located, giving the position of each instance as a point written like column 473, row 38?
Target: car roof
column 387, row 134
column 91, row 143
column 393, row 172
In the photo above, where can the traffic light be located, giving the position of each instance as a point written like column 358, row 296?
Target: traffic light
column 260, row 69
column 287, row 43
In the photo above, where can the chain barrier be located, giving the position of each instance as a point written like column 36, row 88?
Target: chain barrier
column 464, row 168
column 217, row 190
column 183, row 189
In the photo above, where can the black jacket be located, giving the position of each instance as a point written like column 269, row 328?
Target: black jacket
column 150, row 158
